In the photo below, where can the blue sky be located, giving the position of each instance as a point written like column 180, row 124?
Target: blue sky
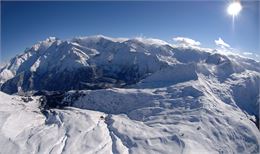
column 25, row 23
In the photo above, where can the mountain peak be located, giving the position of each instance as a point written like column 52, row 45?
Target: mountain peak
column 51, row 39
column 97, row 38
column 43, row 45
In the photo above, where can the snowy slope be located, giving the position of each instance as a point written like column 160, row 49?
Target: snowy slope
column 24, row 129
column 129, row 96
column 184, row 118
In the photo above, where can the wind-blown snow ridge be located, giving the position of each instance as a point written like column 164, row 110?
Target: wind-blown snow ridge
column 98, row 37
column 128, row 96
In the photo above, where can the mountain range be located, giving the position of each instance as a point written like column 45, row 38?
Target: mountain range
column 117, row 95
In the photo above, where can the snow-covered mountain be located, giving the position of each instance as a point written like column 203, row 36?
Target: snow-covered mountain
column 120, row 95
column 83, row 63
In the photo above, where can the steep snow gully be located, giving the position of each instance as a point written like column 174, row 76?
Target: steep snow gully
column 105, row 95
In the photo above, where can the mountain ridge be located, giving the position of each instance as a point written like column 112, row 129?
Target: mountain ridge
column 122, row 60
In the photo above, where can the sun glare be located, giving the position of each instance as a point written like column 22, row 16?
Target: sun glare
column 234, row 8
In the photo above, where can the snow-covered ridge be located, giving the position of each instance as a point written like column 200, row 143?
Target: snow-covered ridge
column 97, row 38
column 114, row 61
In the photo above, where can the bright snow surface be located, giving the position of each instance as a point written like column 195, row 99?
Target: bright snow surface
column 175, row 119
column 200, row 103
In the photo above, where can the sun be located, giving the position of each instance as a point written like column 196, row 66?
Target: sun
column 234, row 8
